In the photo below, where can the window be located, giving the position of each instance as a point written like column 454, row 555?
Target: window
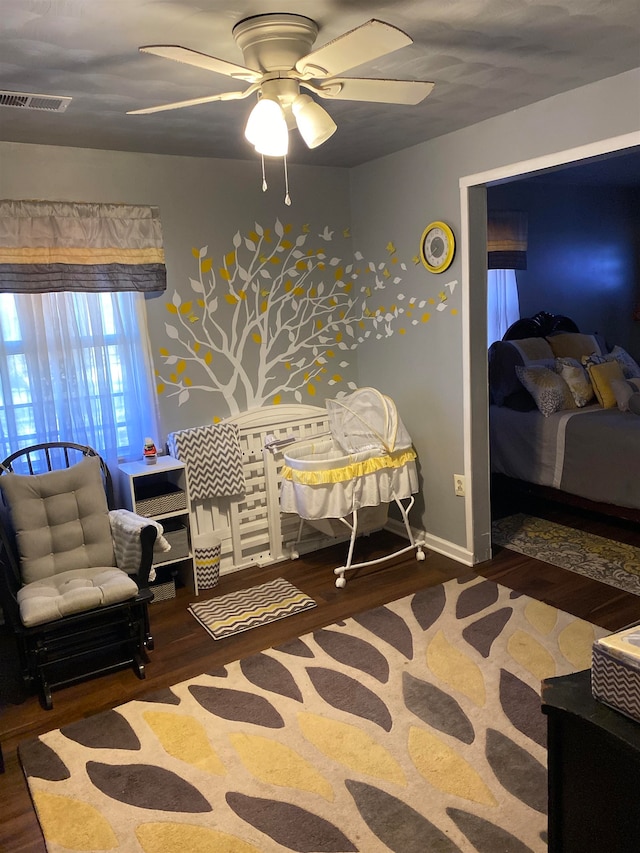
column 75, row 366
column 503, row 305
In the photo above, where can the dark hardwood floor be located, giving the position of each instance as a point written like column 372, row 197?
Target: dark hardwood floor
column 183, row 649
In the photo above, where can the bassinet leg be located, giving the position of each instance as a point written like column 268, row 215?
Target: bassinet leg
column 294, row 553
column 420, row 555
column 341, row 581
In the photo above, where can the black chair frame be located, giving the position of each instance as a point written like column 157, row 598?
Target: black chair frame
column 85, row 644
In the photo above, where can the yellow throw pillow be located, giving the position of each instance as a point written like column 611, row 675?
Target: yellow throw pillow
column 602, row 375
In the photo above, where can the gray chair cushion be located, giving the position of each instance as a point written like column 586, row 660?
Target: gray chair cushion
column 61, row 519
column 73, row 592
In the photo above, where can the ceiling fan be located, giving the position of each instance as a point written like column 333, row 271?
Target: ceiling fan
column 279, row 63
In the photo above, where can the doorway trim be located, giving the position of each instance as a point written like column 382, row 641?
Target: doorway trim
column 473, row 211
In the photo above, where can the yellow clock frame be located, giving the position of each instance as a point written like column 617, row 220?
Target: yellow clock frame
column 441, row 262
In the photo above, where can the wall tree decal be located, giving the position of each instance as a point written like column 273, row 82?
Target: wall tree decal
column 278, row 318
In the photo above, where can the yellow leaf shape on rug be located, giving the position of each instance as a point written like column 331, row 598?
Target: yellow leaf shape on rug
column 280, row 765
column 531, row 655
column 456, row 669
column 447, row 771
column 541, row 616
column 576, row 643
column 184, row 738
column 350, row 747
column 181, row 837
column 73, row 824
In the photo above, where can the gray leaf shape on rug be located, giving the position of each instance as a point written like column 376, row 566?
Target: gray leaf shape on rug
column 147, row 787
column 517, row 770
column 436, row 708
column 42, row 761
column 108, row 730
column 396, row 824
column 346, row 694
column 388, row 626
column 427, row 605
column 521, row 705
column 295, row 828
column 353, row 652
column 271, row 675
column 237, row 705
column 482, row 633
column 486, row 837
column 477, row 597
column 295, row 647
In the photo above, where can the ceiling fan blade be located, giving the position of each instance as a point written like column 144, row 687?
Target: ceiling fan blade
column 376, row 91
column 367, row 42
column 225, row 96
column 201, row 60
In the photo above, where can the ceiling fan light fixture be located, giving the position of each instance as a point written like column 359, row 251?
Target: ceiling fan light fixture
column 266, row 128
column 314, row 122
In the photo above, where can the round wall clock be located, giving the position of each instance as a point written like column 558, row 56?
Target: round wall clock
column 437, row 247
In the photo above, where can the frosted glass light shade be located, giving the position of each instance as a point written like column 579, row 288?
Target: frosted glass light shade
column 266, row 128
column 314, row 122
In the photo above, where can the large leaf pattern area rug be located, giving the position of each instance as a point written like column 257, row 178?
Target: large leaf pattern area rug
column 414, row 727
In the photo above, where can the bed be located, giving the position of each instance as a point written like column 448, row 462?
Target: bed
column 564, row 415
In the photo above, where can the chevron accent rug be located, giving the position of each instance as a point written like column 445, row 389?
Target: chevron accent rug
column 249, row 608
column 213, row 458
column 596, row 557
column 414, row 728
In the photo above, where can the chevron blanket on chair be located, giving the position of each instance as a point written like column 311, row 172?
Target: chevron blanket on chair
column 213, row 458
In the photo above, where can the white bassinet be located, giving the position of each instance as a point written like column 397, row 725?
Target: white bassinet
column 349, row 477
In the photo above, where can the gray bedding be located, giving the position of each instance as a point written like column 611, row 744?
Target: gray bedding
column 592, row 452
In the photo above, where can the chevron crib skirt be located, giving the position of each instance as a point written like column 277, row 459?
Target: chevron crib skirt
column 615, row 671
column 206, row 552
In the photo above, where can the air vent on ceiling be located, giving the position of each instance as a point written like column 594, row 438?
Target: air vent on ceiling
column 29, row 101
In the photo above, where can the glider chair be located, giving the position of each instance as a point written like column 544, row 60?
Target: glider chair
column 74, row 572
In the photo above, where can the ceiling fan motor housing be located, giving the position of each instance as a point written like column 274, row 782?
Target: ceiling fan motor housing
column 275, row 42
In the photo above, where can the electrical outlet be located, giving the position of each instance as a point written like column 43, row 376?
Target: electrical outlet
column 458, row 485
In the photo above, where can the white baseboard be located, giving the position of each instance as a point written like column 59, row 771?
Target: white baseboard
column 433, row 543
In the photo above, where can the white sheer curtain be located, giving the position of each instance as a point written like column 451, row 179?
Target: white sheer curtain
column 503, row 306
column 76, row 367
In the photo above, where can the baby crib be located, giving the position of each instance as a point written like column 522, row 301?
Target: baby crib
column 345, row 480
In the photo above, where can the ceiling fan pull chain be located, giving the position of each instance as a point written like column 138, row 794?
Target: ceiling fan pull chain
column 264, row 177
column 287, row 197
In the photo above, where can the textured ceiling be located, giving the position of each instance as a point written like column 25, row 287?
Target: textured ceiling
column 486, row 57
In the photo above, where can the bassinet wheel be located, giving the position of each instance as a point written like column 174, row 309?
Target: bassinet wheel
column 341, row 582
column 420, row 555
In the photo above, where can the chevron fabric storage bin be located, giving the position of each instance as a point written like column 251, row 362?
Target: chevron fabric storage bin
column 206, row 555
column 615, row 671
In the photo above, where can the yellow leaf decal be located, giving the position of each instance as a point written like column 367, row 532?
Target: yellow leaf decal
column 181, row 366
column 274, row 260
column 230, row 258
column 319, row 324
column 336, row 377
column 188, row 383
column 171, row 308
column 301, row 265
column 426, row 317
column 415, row 259
column 541, row 616
column 454, row 312
column 346, row 232
column 231, row 299
column 206, row 264
column 447, row 771
column 254, row 237
column 531, row 655
column 184, row 738
column 339, row 273
column 306, row 229
column 179, row 837
column 263, row 306
column 276, row 764
column 575, row 642
column 73, row 824
column 386, row 273
column 243, row 294
column 277, row 400
column 298, row 291
column 348, row 287
column 330, row 353
column 313, row 293
column 186, row 307
column 195, row 252
column 196, row 347
column 311, row 390
column 402, row 331
column 160, row 388
column 390, row 247
column 338, row 337
column 201, row 303
column 288, row 285
column 256, row 338
column 286, row 244
column 164, row 351
column 173, row 377
column 456, row 669
column 225, row 274
column 208, row 358
column 351, row 747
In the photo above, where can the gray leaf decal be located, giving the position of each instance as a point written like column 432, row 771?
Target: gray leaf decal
column 147, row 787
column 109, row 730
column 345, row 693
column 237, row 705
column 436, row 708
column 42, row 761
column 521, row 705
column 475, row 598
column 396, row 824
column 428, row 604
column 388, row 626
column 354, row 652
column 289, row 825
column 517, row 770
column 486, row 837
column 270, row 674
column 481, row 634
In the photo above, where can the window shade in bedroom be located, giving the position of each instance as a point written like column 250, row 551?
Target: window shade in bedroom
column 48, row 246
column 506, row 240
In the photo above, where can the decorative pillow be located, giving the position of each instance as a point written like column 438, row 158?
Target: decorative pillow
column 623, row 390
column 629, row 366
column 602, row 375
column 503, row 358
column 576, row 377
column 61, row 519
column 594, row 358
column 547, row 388
column 573, row 345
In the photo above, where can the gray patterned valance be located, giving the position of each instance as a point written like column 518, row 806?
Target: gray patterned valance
column 506, row 240
column 57, row 245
